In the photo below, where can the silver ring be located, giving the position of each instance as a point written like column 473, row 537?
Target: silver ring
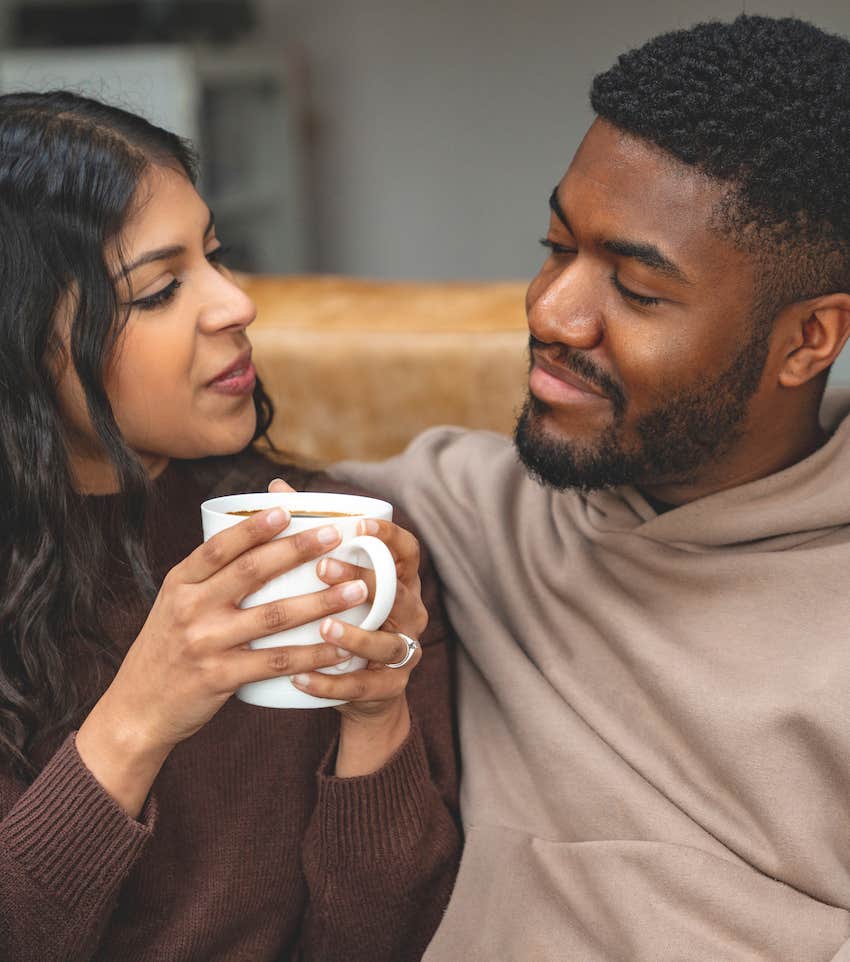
column 412, row 645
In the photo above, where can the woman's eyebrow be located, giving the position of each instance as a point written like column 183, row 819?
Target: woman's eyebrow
column 163, row 253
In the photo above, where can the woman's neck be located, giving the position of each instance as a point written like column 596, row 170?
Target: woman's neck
column 95, row 476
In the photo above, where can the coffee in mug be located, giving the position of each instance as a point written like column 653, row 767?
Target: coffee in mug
column 299, row 514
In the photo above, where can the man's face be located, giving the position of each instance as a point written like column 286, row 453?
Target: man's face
column 644, row 354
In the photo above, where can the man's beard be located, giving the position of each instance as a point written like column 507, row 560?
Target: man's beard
column 690, row 429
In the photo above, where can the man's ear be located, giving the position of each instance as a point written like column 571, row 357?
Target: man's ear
column 816, row 331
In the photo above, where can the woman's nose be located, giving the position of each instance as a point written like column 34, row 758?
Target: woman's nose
column 227, row 306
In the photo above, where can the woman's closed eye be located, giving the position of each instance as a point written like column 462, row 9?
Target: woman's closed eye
column 158, row 298
column 218, row 255
column 165, row 294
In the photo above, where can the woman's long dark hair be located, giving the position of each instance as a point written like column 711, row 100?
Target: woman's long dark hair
column 69, row 170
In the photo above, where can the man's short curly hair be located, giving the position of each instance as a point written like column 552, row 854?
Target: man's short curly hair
column 763, row 105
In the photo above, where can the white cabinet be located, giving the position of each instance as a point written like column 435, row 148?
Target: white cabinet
column 235, row 104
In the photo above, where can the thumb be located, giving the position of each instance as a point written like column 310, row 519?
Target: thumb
column 279, row 486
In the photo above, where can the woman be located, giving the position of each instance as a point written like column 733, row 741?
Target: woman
column 145, row 814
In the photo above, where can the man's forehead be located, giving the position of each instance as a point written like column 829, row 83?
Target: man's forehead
column 633, row 171
column 620, row 185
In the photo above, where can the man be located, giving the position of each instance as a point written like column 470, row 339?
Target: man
column 654, row 686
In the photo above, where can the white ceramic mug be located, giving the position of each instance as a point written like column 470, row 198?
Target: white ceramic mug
column 362, row 550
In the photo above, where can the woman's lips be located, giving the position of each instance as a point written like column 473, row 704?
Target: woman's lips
column 237, row 382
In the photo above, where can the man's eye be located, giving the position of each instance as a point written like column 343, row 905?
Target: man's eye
column 555, row 247
column 632, row 296
column 159, row 298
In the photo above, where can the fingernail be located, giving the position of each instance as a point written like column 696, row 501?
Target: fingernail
column 303, row 680
column 356, row 591
column 368, row 526
column 328, row 535
column 332, row 629
column 277, row 481
column 343, row 653
column 328, row 568
column 276, row 517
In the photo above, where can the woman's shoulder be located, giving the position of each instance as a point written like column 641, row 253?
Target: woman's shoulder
column 252, row 470
column 249, row 470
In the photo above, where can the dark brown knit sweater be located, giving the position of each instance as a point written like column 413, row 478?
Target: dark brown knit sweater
column 246, row 849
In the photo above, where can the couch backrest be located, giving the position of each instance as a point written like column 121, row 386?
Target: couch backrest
column 357, row 368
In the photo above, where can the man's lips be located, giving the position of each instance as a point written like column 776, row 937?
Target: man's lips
column 554, row 383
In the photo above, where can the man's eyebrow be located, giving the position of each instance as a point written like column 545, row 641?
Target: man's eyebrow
column 163, row 253
column 647, row 254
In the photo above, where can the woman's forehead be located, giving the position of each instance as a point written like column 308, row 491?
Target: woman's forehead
column 165, row 202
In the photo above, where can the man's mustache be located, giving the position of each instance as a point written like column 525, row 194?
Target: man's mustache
column 580, row 364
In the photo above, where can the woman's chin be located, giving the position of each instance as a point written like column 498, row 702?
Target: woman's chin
column 225, row 438
column 235, row 442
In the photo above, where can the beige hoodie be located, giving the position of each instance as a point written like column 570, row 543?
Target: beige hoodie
column 654, row 710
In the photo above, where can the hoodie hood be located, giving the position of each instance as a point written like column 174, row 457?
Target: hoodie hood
column 806, row 501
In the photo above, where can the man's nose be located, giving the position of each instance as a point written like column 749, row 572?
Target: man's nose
column 567, row 310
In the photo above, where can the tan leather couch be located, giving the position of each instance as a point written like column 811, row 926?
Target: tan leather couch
column 357, row 368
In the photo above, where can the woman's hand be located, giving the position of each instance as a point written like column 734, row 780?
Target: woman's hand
column 375, row 718
column 192, row 653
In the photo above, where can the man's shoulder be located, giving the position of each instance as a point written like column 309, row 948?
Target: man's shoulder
column 472, row 452
column 442, row 461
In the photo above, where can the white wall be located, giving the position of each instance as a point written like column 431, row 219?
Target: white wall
column 442, row 126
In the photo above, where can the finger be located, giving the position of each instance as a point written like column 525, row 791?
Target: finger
column 332, row 572
column 279, row 486
column 254, row 567
column 356, row 686
column 402, row 544
column 408, row 613
column 381, row 647
column 262, row 620
column 262, row 663
column 223, row 548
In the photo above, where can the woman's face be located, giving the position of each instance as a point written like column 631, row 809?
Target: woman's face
column 181, row 380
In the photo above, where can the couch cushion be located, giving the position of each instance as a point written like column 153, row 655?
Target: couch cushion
column 357, row 368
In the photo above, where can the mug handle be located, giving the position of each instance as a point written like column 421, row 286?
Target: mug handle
column 385, row 576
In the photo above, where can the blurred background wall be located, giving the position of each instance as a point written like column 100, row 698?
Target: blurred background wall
column 424, row 135
column 442, row 126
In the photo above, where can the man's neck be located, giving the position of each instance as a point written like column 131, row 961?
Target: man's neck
column 732, row 472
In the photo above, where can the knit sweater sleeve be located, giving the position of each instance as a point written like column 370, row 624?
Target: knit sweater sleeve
column 382, row 850
column 380, row 860
column 65, row 849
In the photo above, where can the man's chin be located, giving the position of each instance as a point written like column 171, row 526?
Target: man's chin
column 563, row 462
